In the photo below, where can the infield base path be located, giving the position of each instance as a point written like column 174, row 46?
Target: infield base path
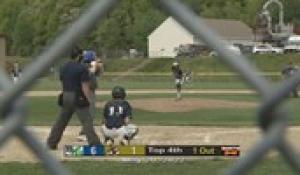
column 14, row 150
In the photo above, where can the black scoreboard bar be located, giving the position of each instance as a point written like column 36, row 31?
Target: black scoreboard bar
column 190, row 150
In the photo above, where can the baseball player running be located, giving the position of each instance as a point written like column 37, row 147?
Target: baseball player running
column 178, row 75
column 117, row 115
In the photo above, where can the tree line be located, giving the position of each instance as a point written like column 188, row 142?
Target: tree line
column 32, row 24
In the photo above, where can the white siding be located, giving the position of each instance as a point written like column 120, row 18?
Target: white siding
column 168, row 36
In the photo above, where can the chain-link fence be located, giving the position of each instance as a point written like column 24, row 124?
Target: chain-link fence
column 272, row 117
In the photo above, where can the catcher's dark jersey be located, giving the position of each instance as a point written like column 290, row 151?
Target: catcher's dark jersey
column 177, row 72
column 115, row 111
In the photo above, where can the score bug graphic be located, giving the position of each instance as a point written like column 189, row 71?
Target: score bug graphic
column 152, row 150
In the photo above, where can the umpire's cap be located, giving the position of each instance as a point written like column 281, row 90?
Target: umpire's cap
column 118, row 92
column 89, row 56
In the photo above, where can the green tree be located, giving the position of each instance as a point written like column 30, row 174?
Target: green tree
column 291, row 10
column 23, row 35
column 129, row 25
column 31, row 24
column 9, row 12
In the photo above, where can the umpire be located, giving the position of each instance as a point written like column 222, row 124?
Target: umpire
column 89, row 60
column 75, row 81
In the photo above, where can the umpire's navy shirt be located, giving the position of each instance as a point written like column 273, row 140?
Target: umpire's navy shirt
column 115, row 111
column 72, row 74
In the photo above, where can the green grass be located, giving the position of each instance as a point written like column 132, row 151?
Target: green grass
column 201, row 167
column 152, row 82
column 265, row 63
column 273, row 63
column 148, row 83
column 43, row 111
column 157, row 82
column 121, row 65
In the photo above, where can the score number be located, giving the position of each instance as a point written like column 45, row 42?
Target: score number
column 138, row 150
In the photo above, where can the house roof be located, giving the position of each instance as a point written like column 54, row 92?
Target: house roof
column 2, row 35
column 226, row 28
column 168, row 24
column 230, row 29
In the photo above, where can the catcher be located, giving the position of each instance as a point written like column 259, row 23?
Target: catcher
column 117, row 115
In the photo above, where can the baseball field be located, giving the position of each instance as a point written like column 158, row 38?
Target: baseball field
column 215, row 109
column 198, row 119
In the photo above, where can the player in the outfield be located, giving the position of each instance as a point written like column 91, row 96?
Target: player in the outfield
column 178, row 75
column 287, row 72
column 116, row 122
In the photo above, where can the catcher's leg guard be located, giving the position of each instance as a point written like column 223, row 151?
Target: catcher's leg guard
column 108, row 141
column 124, row 142
column 130, row 137
column 135, row 133
column 131, row 133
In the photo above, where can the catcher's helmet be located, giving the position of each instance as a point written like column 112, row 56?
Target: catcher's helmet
column 118, row 92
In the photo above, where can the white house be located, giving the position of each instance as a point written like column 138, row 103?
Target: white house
column 170, row 34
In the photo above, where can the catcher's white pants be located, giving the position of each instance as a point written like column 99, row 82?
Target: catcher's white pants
column 115, row 133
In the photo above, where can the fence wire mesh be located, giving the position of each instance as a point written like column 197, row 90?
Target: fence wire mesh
column 271, row 116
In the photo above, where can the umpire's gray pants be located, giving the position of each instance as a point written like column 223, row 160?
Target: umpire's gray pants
column 92, row 108
column 64, row 117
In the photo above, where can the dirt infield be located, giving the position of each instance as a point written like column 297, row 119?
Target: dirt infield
column 162, row 135
column 184, row 105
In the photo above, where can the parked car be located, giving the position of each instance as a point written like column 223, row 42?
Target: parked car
column 289, row 48
column 246, row 49
column 292, row 44
column 188, row 50
column 232, row 48
column 266, row 48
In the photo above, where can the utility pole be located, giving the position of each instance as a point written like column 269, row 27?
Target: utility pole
column 2, row 51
